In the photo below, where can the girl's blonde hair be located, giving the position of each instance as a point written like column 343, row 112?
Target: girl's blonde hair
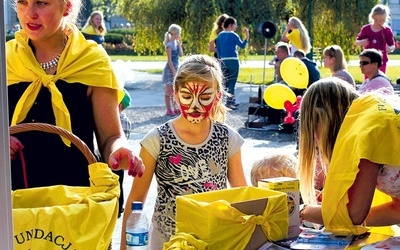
column 305, row 39
column 336, row 52
column 379, row 9
column 203, row 68
column 323, row 109
column 274, row 165
column 173, row 28
column 102, row 27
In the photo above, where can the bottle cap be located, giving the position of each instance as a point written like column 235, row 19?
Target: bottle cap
column 137, row 205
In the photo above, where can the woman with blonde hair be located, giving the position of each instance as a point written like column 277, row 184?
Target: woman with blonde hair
column 334, row 60
column 218, row 27
column 95, row 28
column 357, row 137
column 56, row 76
column 297, row 35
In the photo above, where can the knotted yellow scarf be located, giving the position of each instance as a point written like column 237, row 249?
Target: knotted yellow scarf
column 212, row 218
column 80, row 61
column 371, row 130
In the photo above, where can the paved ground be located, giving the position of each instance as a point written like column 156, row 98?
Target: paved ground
column 147, row 111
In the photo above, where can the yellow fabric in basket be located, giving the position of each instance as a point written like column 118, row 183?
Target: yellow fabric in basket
column 212, row 219
column 67, row 217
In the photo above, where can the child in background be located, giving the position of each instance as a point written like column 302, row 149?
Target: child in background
column 125, row 122
column 377, row 34
column 193, row 153
column 274, row 165
column 174, row 51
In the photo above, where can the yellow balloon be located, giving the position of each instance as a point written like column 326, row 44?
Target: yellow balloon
column 275, row 95
column 294, row 72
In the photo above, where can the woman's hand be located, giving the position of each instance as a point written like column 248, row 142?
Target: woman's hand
column 15, row 147
column 246, row 31
column 124, row 158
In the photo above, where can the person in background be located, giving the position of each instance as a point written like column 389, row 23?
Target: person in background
column 192, row 153
column 273, row 165
column 377, row 34
column 370, row 63
column 357, row 138
column 297, row 35
column 125, row 122
column 56, row 76
column 218, row 27
column 334, row 60
column 312, row 68
column 282, row 52
column 95, row 29
column 174, row 51
column 228, row 41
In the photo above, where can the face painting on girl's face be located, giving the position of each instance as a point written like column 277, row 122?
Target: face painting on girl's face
column 196, row 100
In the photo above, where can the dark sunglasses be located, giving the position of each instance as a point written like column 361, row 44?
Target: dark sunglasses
column 363, row 63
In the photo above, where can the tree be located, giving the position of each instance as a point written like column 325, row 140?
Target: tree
column 332, row 22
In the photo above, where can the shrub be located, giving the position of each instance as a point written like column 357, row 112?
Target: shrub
column 113, row 38
column 119, row 49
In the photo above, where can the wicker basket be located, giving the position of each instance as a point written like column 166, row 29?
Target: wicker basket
column 65, row 216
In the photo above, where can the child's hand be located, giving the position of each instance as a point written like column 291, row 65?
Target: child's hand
column 364, row 42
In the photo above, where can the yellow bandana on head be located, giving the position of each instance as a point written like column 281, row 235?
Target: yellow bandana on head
column 371, row 130
column 80, row 61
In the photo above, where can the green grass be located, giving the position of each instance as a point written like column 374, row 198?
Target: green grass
column 246, row 74
column 255, row 75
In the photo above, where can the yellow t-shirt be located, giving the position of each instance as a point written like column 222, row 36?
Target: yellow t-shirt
column 370, row 130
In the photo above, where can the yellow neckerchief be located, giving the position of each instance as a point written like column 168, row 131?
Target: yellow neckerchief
column 90, row 30
column 295, row 38
column 370, row 130
column 81, row 61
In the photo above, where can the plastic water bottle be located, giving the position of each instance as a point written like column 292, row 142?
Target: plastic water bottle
column 137, row 228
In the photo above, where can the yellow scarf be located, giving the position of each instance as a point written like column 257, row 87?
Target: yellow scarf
column 80, row 61
column 370, row 131
column 90, row 30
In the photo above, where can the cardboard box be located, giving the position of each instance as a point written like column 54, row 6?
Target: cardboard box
column 207, row 215
column 291, row 187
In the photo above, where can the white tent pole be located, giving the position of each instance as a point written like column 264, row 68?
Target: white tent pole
column 6, row 225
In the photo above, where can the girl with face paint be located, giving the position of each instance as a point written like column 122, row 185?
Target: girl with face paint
column 192, row 153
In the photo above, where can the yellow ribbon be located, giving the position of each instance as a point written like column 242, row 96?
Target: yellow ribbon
column 80, row 62
column 185, row 241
